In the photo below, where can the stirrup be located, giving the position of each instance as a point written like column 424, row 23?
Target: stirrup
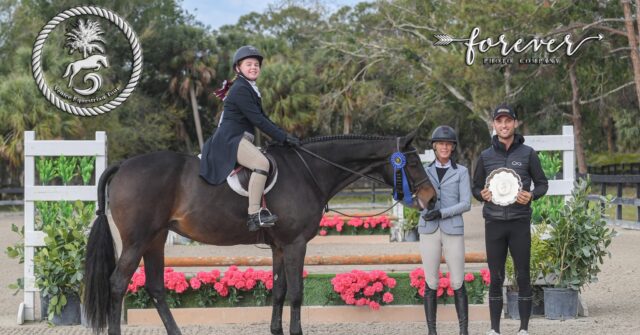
column 262, row 219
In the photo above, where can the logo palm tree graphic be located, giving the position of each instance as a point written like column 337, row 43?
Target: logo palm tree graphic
column 86, row 38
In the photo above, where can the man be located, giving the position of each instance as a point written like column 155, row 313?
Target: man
column 508, row 227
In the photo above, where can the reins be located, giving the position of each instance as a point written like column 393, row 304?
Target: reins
column 344, row 168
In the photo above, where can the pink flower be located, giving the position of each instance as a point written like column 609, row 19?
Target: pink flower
column 390, row 282
column 305, row 274
column 195, row 283
column 387, row 297
column 323, row 232
column 469, row 277
column 361, row 302
column 374, row 305
column 486, row 276
column 440, row 292
column 369, row 291
column 444, row 283
column 450, row 291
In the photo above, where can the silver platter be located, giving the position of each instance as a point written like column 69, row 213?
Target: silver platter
column 504, row 184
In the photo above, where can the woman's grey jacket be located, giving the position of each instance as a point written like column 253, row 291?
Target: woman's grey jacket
column 453, row 199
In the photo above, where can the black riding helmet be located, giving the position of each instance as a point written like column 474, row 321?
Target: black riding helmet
column 444, row 134
column 246, row 52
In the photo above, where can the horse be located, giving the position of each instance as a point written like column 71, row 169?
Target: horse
column 155, row 193
column 91, row 62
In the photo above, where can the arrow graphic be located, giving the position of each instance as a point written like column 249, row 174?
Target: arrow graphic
column 444, row 39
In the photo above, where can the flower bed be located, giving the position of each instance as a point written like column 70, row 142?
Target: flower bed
column 372, row 225
column 253, row 288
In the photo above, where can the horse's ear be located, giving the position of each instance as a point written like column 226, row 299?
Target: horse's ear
column 408, row 139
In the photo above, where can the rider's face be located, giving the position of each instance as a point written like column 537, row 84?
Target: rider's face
column 443, row 150
column 250, row 68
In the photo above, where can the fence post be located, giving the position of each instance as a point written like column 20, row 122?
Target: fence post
column 33, row 193
column 619, row 206
column 28, row 309
column 568, row 161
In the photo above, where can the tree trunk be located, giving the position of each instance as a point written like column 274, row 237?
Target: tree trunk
column 611, row 143
column 633, row 43
column 196, row 114
column 577, row 119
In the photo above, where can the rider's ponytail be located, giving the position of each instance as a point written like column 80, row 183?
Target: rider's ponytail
column 222, row 92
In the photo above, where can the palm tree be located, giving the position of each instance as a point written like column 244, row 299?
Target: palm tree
column 86, row 37
column 192, row 76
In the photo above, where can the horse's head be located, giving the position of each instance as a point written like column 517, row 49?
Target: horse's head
column 418, row 181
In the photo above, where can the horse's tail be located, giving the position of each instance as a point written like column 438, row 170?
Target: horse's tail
column 100, row 262
column 68, row 71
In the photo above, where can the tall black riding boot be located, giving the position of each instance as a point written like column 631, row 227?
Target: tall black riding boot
column 430, row 309
column 462, row 308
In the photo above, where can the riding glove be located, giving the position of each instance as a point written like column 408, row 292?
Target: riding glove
column 292, row 141
column 432, row 215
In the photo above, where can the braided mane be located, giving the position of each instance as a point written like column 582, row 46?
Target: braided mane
column 346, row 137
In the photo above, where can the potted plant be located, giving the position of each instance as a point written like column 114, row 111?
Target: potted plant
column 59, row 267
column 409, row 227
column 578, row 242
column 540, row 255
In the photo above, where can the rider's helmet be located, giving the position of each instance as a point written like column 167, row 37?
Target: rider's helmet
column 246, row 52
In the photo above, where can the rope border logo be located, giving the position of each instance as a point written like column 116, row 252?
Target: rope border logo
column 90, row 62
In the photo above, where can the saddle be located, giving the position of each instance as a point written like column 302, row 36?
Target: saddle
column 238, row 179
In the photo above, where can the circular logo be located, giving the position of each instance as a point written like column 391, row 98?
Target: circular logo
column 86, row 37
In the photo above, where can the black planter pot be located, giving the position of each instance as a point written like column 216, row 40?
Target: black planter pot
column 411, row 235
column 560, row 303
column 537, row 308
column 70, row 314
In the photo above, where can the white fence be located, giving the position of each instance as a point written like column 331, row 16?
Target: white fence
column 33, row 193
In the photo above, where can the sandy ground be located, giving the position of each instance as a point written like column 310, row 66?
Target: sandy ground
column 612, row 302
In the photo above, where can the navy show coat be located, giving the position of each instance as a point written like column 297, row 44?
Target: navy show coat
column 242, row 113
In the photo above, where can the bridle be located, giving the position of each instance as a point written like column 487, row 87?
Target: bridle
column 413, row 186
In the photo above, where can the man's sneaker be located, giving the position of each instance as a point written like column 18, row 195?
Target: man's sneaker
column 262, row 219
column 523, row 332
column 492, row 332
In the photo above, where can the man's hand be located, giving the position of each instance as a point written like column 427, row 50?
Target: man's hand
column 486, row 195
column 524, row 197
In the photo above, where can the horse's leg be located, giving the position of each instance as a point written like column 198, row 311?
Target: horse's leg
column 127, row 265
column 279, row 290
column 154, row 271
column 294, row 262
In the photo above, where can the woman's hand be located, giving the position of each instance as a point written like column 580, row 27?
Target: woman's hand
column 292, row 141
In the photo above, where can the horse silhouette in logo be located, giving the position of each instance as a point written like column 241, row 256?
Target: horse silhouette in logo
column 95, row 62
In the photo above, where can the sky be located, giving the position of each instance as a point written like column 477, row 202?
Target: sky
column 218, row 13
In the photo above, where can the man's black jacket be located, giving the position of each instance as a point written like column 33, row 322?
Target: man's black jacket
column 520, row 158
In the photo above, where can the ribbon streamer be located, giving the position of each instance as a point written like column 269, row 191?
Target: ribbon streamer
column 398, row 161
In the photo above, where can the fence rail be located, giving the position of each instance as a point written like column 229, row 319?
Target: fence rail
column 615, row 169
column 619, row 181
column 11, row 191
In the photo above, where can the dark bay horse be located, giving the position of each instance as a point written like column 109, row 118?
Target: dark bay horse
column 154, row 193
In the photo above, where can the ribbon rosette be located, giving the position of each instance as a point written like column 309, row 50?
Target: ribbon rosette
column 398, row 161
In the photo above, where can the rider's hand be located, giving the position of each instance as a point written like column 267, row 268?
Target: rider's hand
column 432, row 215
column 486, row 195
column 292, row 141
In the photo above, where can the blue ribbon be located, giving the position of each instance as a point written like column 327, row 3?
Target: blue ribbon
column 398, row 161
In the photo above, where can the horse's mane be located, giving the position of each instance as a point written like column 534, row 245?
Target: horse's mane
column 328, row 138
